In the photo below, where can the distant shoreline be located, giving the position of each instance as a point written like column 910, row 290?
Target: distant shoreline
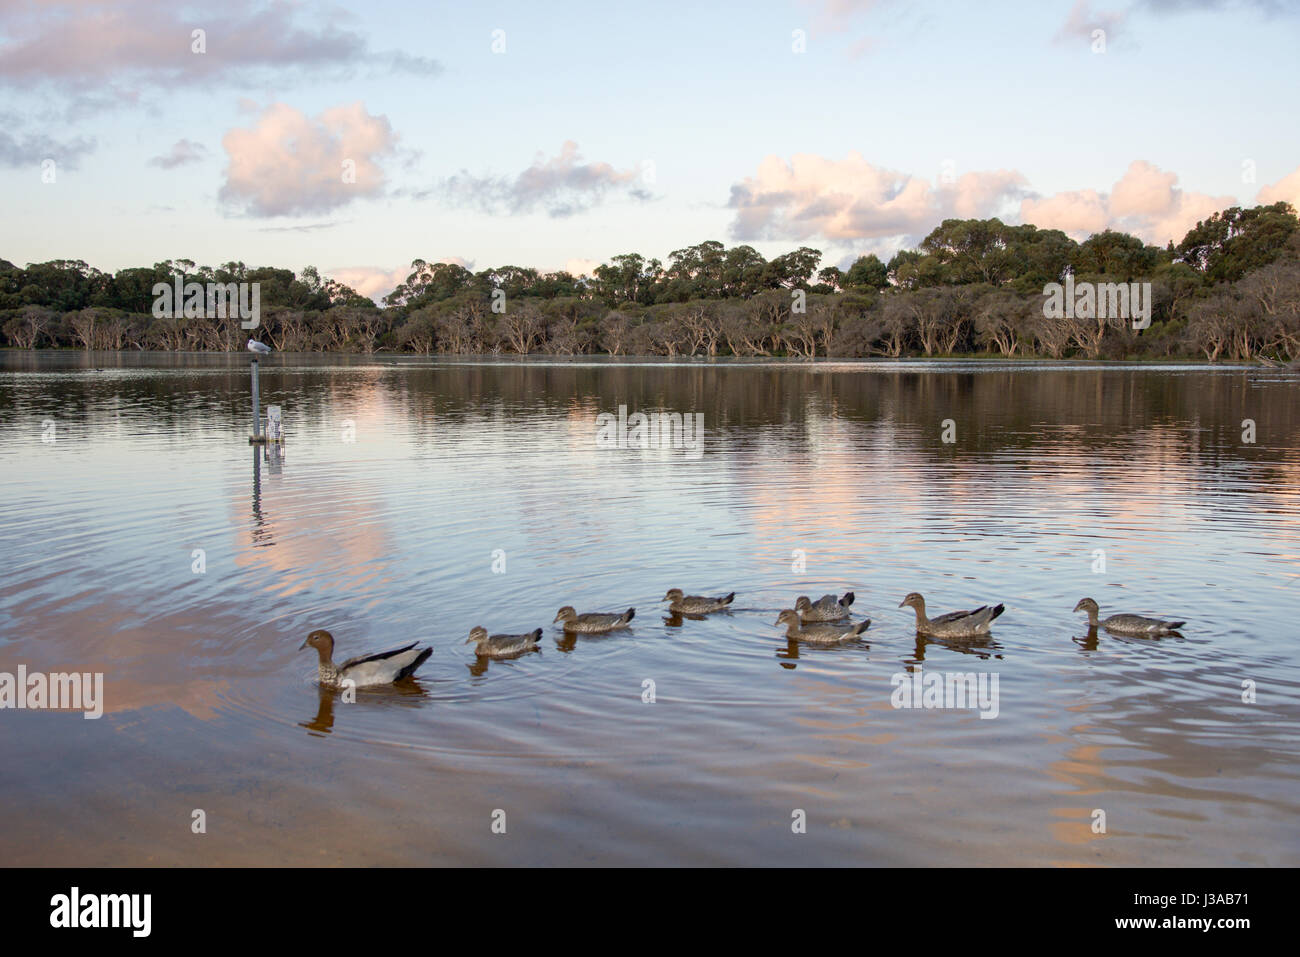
column 392, row 354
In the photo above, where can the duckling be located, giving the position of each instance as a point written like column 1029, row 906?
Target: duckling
column 955, row 624
column 695, row 604
column 384, row 668
column 502, row 646
column 593, row 623
column 819, row 634
column 1127, row 624
column 826, row 608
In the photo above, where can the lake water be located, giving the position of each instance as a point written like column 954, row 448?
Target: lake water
column 403, row 482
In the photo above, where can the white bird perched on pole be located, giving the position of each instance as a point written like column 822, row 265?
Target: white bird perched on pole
column 258, row 348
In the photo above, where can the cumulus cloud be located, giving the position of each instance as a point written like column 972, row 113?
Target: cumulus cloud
column 374, row 282
column 1146, row 201
column 561, row 185
column 1286, row 190
column 182, row 152
column 289, row 163
column 81, row 44
column 851, row 199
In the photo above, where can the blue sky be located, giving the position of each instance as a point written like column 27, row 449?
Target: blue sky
column 670, row 108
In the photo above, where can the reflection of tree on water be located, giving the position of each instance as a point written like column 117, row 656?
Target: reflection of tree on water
column 274, row 457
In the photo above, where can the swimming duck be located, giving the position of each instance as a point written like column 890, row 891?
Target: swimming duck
column 502, row 646
column 381, row 669
column 1127, row 624
column 592, row 623
column 695, row 604
column 955, row 624
column 826, row 608
column 819, row 634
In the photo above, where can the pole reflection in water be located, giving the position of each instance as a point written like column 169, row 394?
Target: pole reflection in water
column 274, row 456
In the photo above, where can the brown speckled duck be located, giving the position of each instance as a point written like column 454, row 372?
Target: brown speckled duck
column 826, row 608
column 502, row 646
column 1127, row 624
column 823, row 633
column 380, row 669
column 955, row 624
column 593, row 623
column 695, row 604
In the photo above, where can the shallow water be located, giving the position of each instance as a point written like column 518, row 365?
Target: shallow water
column 455, row 465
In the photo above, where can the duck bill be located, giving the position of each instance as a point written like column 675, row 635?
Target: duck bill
column 303, row 645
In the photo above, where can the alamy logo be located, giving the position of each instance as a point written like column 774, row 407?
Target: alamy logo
column 59, row 691
column 658, row 430
column 950, row 690
column 216, row 300
column 1090, row 300
column 102, row 910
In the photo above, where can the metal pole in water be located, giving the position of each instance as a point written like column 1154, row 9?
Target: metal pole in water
column 257, row 417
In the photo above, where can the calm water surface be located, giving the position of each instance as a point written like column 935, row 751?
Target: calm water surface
column 392, row 537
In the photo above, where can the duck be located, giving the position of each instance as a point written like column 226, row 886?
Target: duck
column 502, row 646
column 1127, row 624
column 955, row 624
column 593, row 623
column 823, row 633
column 696, row 604
column 826, row 608
column 387, row 667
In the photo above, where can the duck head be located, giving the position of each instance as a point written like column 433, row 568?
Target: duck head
column 789, row 618
column 1087, row 604
column 565, row 613
column 674, row 594
column 913, row 600
column 322, row 641
column 802, row 603
column 476, row 634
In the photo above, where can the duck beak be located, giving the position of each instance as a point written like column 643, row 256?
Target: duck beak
column 902, row 603
column 303, row 645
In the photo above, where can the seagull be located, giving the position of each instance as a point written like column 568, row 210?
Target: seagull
column 258, row 348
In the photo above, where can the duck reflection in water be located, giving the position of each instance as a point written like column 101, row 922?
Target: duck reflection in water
column 409, row 694
column 982, row 648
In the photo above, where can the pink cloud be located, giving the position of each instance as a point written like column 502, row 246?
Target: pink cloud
column 842, row 200
column 1146, row 201
column 83, row 43
column 289, row 163
column 1286, row 190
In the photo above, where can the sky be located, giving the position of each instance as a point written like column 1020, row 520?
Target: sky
column 357, row 137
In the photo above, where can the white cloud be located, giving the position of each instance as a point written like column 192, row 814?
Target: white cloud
column 182, row 152
column 289, row 163
column 562, row 185
column 1287, row 189
column 851, row 199
column 1146, row 201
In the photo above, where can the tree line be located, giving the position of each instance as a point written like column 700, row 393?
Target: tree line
column 1229, row 290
